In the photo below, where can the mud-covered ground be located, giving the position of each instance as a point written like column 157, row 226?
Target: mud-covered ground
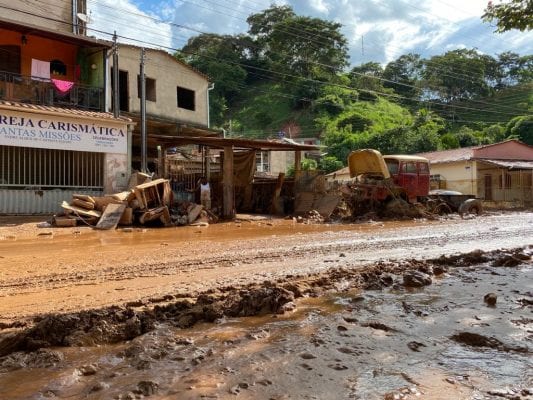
column 269, row 309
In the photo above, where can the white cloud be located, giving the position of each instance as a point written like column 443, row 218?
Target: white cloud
column 132, row 25
column 319, row 5
column 389, row 28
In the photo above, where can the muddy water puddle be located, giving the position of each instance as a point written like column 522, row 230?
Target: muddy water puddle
column 438, row 342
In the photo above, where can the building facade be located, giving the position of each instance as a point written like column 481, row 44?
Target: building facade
column 177, row 99
column 498, row 173
column 55, row 137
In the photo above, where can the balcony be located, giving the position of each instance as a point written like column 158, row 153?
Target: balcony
column 25, row 89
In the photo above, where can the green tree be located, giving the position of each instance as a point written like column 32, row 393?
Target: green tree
column 403, row 75
column 305, row 48
column 514, row 14
column 220, row 58
column 521, row 128
column 449, row 141
column 460, row 75
column 330, row 164
column 367, row 79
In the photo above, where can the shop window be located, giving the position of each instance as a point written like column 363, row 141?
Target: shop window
column 58, row 67
column 507, row 183
column 150, row 88
column 186, row 98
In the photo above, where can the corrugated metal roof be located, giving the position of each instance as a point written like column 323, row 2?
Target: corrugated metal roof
column 74, row 112
column 510, row 164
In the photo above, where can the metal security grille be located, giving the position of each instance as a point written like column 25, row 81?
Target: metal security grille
column 49, row 168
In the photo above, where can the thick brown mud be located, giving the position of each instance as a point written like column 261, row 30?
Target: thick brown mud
column 341, row 333
column 63, row 270
column 269, row 310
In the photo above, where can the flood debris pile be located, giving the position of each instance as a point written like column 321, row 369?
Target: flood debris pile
column 148, row 203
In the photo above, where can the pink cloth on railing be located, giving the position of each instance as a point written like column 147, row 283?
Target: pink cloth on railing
column 62, row 86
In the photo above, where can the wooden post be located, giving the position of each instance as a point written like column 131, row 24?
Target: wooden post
column 160, row 170
column 297, row 160
column 207, row 161
column 277, row 207
column 228, row 187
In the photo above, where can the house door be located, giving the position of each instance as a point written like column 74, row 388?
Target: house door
column 488, row 187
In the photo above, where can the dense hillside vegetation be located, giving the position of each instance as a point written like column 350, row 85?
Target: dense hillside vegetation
column 290, row 74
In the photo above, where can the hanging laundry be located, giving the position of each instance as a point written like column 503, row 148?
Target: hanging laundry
column 40, row 69
column 62, row 87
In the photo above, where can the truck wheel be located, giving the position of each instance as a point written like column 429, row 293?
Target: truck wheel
column 442, row 209
column 470, row 206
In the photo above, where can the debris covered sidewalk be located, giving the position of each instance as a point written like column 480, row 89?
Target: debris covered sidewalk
column 146, row 203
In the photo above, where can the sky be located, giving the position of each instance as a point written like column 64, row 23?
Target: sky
column 377, row 30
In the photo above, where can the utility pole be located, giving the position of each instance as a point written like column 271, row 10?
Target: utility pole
column 143, row 114
column 116, row 95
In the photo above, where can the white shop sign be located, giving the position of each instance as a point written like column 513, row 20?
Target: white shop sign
column 65, row 133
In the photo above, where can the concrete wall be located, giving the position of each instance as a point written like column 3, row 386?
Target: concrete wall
column 280, row 161
column 460, row 176
column 116, row 173
column 40, row 13
column 168, row 74
column 41, row 49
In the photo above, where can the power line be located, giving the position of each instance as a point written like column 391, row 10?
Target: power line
column 296, row 76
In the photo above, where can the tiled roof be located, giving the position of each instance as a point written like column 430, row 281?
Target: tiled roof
column 75, row 112
column 462, row 154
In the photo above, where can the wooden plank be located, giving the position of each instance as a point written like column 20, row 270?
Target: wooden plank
column 81, row 211
column 127, row 217
column 326, row 204
column 277, row 207
column 112, row 214
column 84, row 197
column 193, row 212
column 153, row 214
column 303, row 202
column 102, row 202
column 123, row 196
column 65, row 222
column 83, row 204
column 153, row 183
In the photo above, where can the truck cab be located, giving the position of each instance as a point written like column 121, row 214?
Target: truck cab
column 378, row 177
column 410, row 173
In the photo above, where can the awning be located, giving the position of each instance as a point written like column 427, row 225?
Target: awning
column 509, row 164
column 236, row 143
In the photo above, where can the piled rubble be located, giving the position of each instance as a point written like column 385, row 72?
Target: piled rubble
column 148, row 202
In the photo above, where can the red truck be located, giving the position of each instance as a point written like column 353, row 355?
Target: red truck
column 379, row 179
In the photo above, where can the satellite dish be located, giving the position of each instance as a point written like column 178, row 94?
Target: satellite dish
column 83, row 17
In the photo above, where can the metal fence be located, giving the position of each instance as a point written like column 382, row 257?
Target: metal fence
column 25, row 167
column 24, row 89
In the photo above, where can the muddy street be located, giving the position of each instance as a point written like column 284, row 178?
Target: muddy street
column 60, row 270
column 269, row 309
